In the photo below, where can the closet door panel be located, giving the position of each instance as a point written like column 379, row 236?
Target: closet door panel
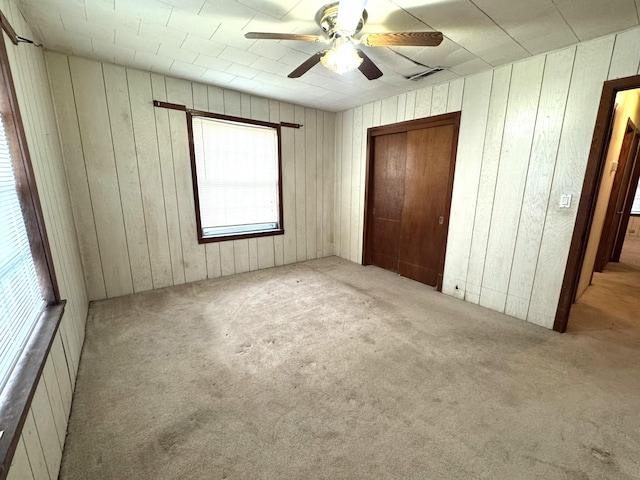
column 386, row 199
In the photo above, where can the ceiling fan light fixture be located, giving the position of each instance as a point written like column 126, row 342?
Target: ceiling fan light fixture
column 342, row 57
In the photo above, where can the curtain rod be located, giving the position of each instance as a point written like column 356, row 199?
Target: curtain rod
column 183, row 108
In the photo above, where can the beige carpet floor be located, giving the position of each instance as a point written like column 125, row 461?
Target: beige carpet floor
column 330, row 370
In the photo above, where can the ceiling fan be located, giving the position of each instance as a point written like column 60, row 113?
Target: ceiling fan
column 341, row 22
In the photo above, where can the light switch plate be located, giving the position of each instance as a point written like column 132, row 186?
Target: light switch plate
column 565, row 200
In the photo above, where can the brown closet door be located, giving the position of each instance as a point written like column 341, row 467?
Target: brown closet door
column 425, row 212
column 386, row 194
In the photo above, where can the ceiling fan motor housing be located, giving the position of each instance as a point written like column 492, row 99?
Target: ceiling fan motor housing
column 327, row 18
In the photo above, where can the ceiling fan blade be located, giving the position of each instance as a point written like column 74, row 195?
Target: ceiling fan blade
column 400, row 39
column 368, row 68
column 284, row 36
column 349, row 14
column 307, row 65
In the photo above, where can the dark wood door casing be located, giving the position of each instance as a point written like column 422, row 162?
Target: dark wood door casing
column 627, row 204
column 425, row 193
column 617, row 197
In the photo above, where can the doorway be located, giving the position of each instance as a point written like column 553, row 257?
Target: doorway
column 409, row 182
column 609, row 189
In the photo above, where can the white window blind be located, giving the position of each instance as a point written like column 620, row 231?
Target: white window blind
column 237, row 173
column 635, row 208
column 21, row 300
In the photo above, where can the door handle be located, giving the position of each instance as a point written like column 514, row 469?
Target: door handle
column 441, row 220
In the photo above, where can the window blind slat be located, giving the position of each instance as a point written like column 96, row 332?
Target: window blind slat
column 21, row 300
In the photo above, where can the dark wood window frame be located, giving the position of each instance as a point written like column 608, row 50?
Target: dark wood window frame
column 17, row 394
column 194, row 175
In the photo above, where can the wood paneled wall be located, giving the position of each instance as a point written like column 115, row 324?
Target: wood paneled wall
column 525, row 136
column 39, row 450
column 130, row 178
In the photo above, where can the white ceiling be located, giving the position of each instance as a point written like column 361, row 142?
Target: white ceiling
column 203, row 40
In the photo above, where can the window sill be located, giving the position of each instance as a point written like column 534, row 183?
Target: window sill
column 17, row 394
column 240, row 236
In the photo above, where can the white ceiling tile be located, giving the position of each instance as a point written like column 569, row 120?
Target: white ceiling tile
column 200, row 45
column 128, row 39
column 120, row 54
column 238, row 56
column 212, row 63
column 535, row 25
column 593, row 18
column 161, row 34
column 153, row 11
column 271, row 66
column 149, row 61
column 204, row 39
column 198, row 25
column 79, row 26
column 275, row 9
column 188, row 70
column 242, row 71
column 186, row 56
column 269, row 49
column 217, row 78
column 191, row 6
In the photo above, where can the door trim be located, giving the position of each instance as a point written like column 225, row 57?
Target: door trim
column 429, row 122
column 588, row 197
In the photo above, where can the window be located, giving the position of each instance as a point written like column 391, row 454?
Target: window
column 236, row 177
column 21, row 301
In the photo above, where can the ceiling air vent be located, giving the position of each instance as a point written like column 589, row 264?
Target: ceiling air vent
column 426, row 73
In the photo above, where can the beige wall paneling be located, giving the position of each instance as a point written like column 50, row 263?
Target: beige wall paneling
column 492, row 145
column 454, row 100
column 553, row 98
column 634, row 227
column 328, row 182
column 93, row 118
column 401, row 114
column 589, row 71
column 410, row 109
column 55, row 400
column 468, row 174
column 193, row 254
column 367, row 122
column 346, row 182
column 129, row 179
column 63, row 375
column 20, row 468
column 278, row 241
column 338, row 184
column 33, row 445
column 626, row 55
column 215, row 104
column 377, row 113
column 169, row 193
column 423, row 102
column 60, row 78
column 524, row 92
column 312, row 180
column 150, row 176
column 357, row 194
column 289, row 185
column 439, row 99
column 46, row 429
column 300, row 174
column 320, row 181
column 388, row 111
